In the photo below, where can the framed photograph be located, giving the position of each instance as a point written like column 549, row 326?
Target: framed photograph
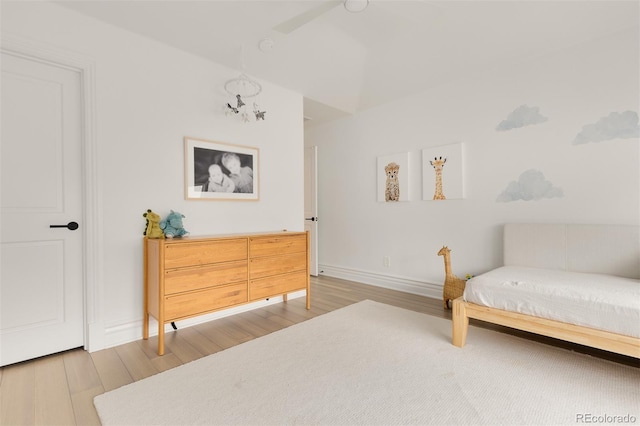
column 442, row 172
column 393, row 178
column 219, row 171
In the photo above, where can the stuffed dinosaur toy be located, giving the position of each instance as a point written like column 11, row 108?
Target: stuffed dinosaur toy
column 172, row 225
column 152, row 229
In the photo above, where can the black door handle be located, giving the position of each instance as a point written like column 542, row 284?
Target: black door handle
column 312, row 219
column 72, row 226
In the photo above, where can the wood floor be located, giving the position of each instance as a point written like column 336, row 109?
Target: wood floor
column 59, row 389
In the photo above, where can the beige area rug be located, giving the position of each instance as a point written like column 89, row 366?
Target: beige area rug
column 375, row 364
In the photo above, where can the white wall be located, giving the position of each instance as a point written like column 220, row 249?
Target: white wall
column 573, row 87
column 148, row 98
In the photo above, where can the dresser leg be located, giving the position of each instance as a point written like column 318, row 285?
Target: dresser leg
column 284, row 297
column 145, row 326
column 160, row 338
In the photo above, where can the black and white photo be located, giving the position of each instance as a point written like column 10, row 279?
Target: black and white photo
column 219, row 171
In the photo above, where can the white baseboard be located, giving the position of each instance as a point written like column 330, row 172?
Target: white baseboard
column 392, row 282
column 120, row 334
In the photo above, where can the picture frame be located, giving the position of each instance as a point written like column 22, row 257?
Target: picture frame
column 393, row 178
column 440, row 182
column 221, row 171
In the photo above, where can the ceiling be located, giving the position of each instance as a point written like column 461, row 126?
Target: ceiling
column 345, row 62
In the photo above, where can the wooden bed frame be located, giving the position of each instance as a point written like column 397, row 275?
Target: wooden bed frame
column 612, row 342
column 605, row 249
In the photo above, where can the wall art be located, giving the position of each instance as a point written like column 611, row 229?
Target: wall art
column 616, row 125
column 442, row 172
column 522, row 116
column 393, row 177
column 530, row 186
column 220, row 171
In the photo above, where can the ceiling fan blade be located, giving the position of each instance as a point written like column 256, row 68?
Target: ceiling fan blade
column 296, row 22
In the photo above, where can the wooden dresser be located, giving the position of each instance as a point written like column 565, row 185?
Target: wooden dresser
column 190, row 276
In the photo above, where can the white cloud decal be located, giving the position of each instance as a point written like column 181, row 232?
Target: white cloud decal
column 615, row 125
column 520, row 117
column 530, row 186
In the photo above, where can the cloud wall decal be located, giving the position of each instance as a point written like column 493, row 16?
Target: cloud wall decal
column 615, row 125
column 531, row 185
column 520, row 117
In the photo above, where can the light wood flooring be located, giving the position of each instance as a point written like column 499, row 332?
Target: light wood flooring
column 59, row 389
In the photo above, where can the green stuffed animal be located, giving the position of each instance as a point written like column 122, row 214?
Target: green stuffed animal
column 153, row 225
column 172, row 225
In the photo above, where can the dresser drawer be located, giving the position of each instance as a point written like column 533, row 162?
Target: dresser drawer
column 204, row 252
column 197, row 302
column 274, row 265
column 195, row 278
column 276, row 285
column 270, row 246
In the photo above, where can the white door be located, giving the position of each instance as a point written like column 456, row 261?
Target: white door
column 41, row 275
column 311, row 204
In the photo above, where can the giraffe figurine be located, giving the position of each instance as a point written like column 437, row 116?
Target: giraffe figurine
column 453, row 286
column 438, row 164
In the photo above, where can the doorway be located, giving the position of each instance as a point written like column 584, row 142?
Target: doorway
column 311, row 205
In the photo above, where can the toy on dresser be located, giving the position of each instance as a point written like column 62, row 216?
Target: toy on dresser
column 152, row 229
column 172, row 225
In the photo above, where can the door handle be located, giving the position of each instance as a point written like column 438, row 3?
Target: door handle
column 312, row 219
column 72, row 226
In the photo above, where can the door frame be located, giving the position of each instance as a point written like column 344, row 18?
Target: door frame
column 12, row 44
column 313, row 243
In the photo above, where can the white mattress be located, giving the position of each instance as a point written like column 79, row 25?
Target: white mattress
column 598, row 301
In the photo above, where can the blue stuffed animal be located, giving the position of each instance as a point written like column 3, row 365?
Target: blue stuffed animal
column 172, row 225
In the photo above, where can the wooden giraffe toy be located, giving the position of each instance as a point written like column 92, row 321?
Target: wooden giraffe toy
column 438, row 164
column 453, row 286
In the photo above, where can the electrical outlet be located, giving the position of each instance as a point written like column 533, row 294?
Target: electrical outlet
column 386, row 261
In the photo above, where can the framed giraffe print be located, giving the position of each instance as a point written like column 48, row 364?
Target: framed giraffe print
column 443, row 172
column 393, row 178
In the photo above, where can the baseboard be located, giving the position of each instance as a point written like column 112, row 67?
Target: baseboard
column 119, row 334
column 392, row 282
